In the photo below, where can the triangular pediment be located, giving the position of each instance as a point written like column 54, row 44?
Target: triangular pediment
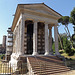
column 40, row 8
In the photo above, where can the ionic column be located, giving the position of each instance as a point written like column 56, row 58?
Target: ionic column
column 50, row 41
column 46, row 40
column 56, row 40
column 35, row 38
column 22, row 35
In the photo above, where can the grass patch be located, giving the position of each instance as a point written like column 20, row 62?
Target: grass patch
column 66, row 55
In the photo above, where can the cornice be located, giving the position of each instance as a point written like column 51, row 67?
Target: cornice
column 22, row 10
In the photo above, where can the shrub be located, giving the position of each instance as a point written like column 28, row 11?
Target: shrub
column 53, row 47
column 2, row 56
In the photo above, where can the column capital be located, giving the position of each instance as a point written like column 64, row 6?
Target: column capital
column 46, row 23
column 23, row 18
column 50, row 27
column 55, row 25
column 35, row 20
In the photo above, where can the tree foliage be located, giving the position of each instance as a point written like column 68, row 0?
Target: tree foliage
column 64, row 20
column 67, row 46
column 72, row 16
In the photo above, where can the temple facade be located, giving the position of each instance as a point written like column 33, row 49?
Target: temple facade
column 32, row 31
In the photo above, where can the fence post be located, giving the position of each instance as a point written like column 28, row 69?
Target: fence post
column 10, row 68
column 1, row 67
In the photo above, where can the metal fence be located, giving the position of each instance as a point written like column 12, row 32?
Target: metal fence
column 8, row 69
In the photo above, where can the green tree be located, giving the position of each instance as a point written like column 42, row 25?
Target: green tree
column 60, row 41
column 53, row 47
column 67, row 46
column 64, row 20
column 72, row 16
column 72, row 20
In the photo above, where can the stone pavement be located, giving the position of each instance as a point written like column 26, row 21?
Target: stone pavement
column 72, row 72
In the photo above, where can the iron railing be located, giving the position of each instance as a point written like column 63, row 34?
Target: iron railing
column 8, row 69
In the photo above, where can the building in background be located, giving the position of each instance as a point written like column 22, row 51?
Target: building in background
column 9, row 43
column 4, row 41
column 3, row 45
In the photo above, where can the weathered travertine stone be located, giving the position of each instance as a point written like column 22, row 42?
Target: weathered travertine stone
column 46, row 40
column 50, row 41
column 26, row 38
column 35, row 39
column 22, row 35
column 56, row 40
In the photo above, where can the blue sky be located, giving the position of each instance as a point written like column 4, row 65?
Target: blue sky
column 8, row 8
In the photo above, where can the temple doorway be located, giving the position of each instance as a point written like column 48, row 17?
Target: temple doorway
column 30, row 38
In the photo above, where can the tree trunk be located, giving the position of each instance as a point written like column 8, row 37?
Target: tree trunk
column 69, row 34
column 60, row 40
column 68, row 31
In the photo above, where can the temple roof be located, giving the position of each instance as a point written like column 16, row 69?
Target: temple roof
column 36, row 8
column 41, row 4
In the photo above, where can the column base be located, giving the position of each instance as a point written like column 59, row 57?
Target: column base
column 58, row 54
column 51, row 52
column 47, row 53
column 35, row 53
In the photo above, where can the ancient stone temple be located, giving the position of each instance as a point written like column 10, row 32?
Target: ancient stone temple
column 32, row 32
column 30, row 29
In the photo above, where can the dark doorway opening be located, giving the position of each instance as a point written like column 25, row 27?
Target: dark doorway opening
column 29, row 38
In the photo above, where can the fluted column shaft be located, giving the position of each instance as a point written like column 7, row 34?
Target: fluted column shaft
column 56, row 40
column 50, row 41
column 35, row 38
column 46, row 40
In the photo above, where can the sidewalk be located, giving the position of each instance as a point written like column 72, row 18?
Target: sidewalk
column 72, row 72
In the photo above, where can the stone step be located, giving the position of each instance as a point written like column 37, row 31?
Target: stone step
column 49, row 73
column 46, row 60
column 46, row 65
column 51, row 58
column 50, row 67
